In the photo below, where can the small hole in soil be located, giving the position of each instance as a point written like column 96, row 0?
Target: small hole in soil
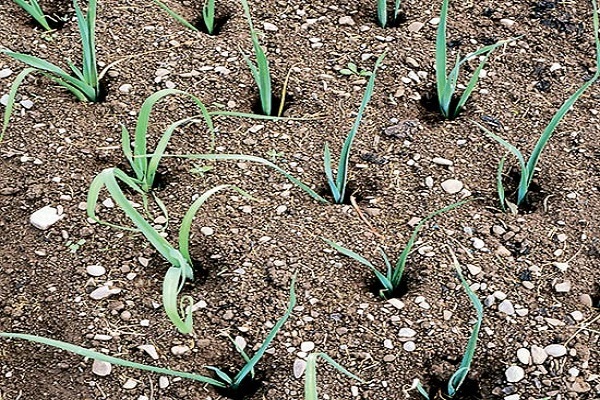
column 393, row 21
column 376, row 288
column 596, row 297
column 351, row 191
column 218, row 24
column 275, row 104
column 56, row 21
column 161, row 180
column 534, row 194
column 200, row 272
column 468, row 391
column 246, row 390
column 431, row 104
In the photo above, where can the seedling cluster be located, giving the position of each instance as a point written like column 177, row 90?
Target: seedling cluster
column 85, row 83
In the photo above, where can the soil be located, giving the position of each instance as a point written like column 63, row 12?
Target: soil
column 52, row 152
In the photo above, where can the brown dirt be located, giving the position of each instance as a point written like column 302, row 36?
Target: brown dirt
column 53, row 151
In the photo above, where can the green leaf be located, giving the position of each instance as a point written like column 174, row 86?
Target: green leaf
column 175, row 16
column 208, row 16
column 113, row 360
column 261, row 351
column 385, row 282
column 310, row 378
column 33, row 8
column 342, row 172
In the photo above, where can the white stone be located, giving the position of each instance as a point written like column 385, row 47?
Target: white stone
column 207, row 230
column 478, row 243
column 409, row 346
column 96, row 270
column 442, row 161
column 524, row 356
column 514, row 374
column 163, row 382
column 101, row 368
column 5, row 73
column 179, row 350
column 399, row 304
column 538, row 355
column 346, row 20
column 150, row 350
column 299, row 367
column 125, row 88
column 452, row 186
column 103, row 292
column 27, row 104
column 307, row 347
column 45, row 217
column 415, row 27
column 162, row 72
column 406, row 333
column 506, row 307
column 130, row 384
column 555, row 350
column 269, row 27
column 513, row 397
column 563, row 287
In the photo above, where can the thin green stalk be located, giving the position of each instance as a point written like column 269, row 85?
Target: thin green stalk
column 382, row 12
column 33, row 8
column 175, row 16
column 310, row 379
column 208, row 16
column 260, row 71
column 338, row 187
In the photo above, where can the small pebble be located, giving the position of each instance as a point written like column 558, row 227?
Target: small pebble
column 538, row 355
column 507, row 22
column 415, row 27
column 125, row 88
column 442, row 161
column 45, row 217
column 506, row 307
column 478, row 243
column 27, row 104
column 179, row 350
column 95, row 270
column 207, row 231
column 130, row 384
column 555, row 350
column 524, row 356
column 299, row 367
column 346, row 20
column 103, row 292
column 452, row 186
column 269, row 27
column 406, row 333
column 163, row 382
column 101, row 368
column 514, row 374
column 150, row 350
column 307, row 347
column 409, row 346
column 563, row 287
column 5, row 73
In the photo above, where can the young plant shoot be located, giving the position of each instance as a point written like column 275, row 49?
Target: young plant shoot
column 527, row 169
column 84, row 83
column 391, row 280
column 446, row 83
column 382, row 12
column 221, row 380
column 310, row 377
column 179, row 259
column 458, row 378
column 33, row 8
column 208, row 16
column 338, row 185
column 260, row 70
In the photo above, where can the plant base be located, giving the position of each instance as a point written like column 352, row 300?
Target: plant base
column 218, row 24
column 245, row 390
column 468, row 391
column 394, row 21
column 276, row 102
column 376, row 288
column 431, row 106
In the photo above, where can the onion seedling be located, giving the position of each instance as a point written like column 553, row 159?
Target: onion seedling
column 310, row 379
column 32, row 7
column 338, row 186
column 180, row 259
column 84, row 83
column 391, row 280
column 446, row 83
column 382, row 12
column 260, row 71
column 457, row 379
column 527, row 169
column 222, row 379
